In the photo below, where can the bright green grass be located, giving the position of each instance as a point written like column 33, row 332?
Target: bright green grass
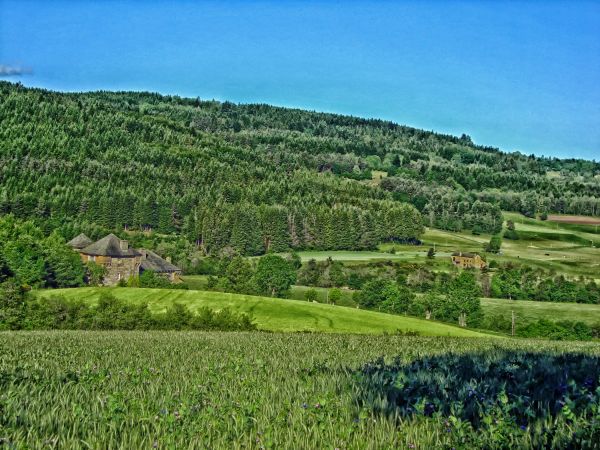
column 342, row 255
column 529, row 311
column 275, row 314
column 299, row 292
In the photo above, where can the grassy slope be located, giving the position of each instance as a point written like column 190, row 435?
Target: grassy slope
column 527, row 311
column 276, row 314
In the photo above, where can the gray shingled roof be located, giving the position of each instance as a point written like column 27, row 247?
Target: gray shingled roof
column 157, row 264
column 80, row 241
column 109, row 246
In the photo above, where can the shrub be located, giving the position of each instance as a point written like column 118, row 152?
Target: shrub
column 335, row 295
column 565, row 330
column 311, row 295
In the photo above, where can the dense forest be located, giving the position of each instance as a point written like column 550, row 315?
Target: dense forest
column 257, row 178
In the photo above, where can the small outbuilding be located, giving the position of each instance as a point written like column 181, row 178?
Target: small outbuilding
column 151, row 261
column 80, row 241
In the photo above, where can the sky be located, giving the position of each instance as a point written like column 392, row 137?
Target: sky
column 511, row 74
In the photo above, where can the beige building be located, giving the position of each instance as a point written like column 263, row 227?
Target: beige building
column 466, row 260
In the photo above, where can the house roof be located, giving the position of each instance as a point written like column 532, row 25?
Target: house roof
column 465, row 254
column 79, row 241
column 157, row 264
column 109, row 246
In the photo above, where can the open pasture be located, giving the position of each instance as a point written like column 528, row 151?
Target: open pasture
column 531, row 311
column 289, row 391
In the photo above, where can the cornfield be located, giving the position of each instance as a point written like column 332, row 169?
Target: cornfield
column 71, row 389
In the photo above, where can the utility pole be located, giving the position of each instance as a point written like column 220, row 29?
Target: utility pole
column 513, row 323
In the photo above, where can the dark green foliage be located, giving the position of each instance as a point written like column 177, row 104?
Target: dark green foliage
column 494, row 245
column 112, row 313
column 94, row 273
column 150, row 279
column 385, row 296
column 34, row 259
column 288, row 186
column 274, row 276
column 496, row 393
column 524, row 283
column 166, row 168
column 428, row 306
column 310, row 273
column 18, row 311
column 334, row 296
column 12, row 305
column 463, row 300
column 62, row 265
column 564, row 330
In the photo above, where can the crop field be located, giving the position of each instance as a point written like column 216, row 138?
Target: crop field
column 272, row 314
column 585, row 220
column 293, row 391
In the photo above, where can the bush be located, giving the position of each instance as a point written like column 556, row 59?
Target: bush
column 311, row 295
column 335, row 295
column 12, row 305
column 565, row 330
column 111, row 313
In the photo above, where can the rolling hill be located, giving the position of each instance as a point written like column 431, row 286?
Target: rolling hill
column 273, row 314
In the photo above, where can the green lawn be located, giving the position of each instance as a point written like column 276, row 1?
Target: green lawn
column 528, row 311
column 276, row 314
column 341, row 255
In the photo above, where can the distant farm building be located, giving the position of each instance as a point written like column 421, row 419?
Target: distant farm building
column 120, row 260
column 466, row 260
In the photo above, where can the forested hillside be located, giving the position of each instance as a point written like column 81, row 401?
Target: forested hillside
column 258, row 178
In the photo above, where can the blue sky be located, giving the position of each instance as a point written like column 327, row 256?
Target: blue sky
column 515, row 75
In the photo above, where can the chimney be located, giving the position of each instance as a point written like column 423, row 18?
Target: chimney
column 144, row 253
column 124, row 245
column 168, row 259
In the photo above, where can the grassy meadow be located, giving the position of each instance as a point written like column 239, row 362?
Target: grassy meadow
column 530, row 311
column 272, row 314
column 74, row 389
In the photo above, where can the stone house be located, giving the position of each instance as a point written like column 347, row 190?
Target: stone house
column 120, row 260
column 466, row 260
